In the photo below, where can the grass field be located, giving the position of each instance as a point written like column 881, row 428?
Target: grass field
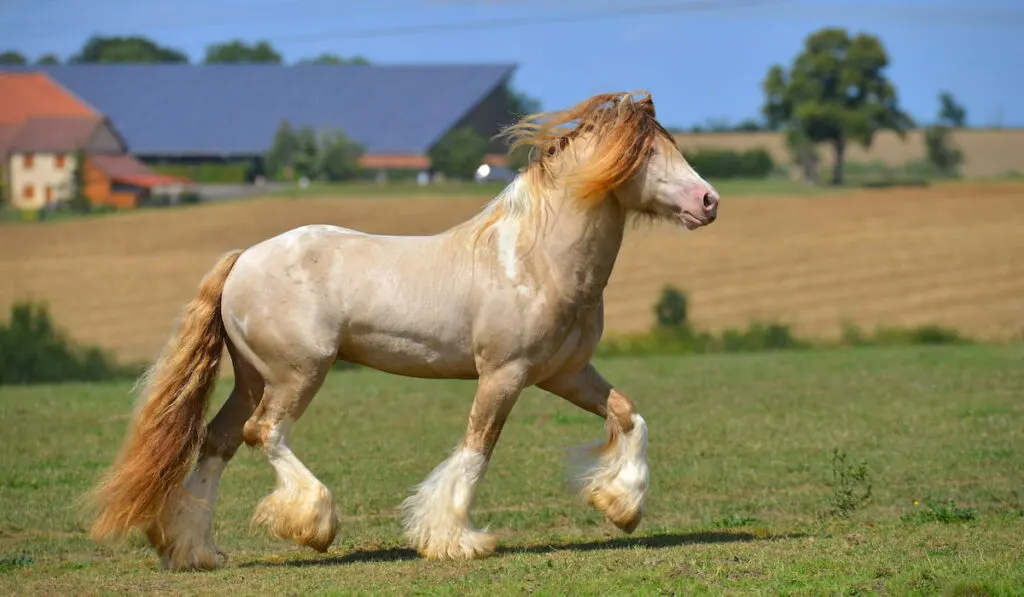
column 740, row 453
column 948, row 255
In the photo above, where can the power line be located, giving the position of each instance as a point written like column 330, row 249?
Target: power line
column 511, row 22
column 918, row 14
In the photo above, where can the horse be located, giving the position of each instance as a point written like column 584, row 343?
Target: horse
column 511, row 298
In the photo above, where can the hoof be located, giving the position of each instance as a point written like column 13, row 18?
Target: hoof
column 465, row 544
column 308, row 518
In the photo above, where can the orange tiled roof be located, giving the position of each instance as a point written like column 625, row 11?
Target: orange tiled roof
column 34, row 94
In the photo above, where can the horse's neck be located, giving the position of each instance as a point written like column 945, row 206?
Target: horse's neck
column 579, row 245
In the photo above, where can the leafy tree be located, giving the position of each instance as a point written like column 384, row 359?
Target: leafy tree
column 459, row 153
column 48, row 59
column 282, row 150
column 237, row 51
column 125, row 49
column 330, row 156
column 327, row 58
column 520, row 104
column 835, row 92
column 12, row 57
column 937, row 138
column 306, row 149
column 804, row 154
column 950, row 112
column 337, row 157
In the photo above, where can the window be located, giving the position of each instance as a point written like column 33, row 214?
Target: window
column 49, row 193
column 28, row 192
column 58, row 161
column 26, row 161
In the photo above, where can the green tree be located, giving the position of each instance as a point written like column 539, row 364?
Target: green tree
column 950, row 112
column 337, row 157
column 939, row 148
column 804, row 155
column 459, row 153
column 237, row 51
column 282, row 150
column 12, row 57
column 327, row 58
column 835, row 92
column 48, row 59
column 306, row 149
column 520, row 104
column 125, row 49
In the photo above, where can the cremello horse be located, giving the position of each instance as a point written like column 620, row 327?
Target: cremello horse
column 511, row 298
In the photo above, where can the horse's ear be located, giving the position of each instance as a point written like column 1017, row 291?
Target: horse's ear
column 625, row 103
column 647, row 104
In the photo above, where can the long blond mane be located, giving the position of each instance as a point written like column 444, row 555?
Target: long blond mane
column 624, row 131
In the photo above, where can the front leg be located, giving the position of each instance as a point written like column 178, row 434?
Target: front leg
column 612, row 475
column 437, row 517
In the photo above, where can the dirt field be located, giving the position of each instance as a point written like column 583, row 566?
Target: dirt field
column 986, row 152
column 952, row 255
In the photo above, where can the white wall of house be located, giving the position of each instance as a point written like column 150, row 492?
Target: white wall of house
column 43, row 178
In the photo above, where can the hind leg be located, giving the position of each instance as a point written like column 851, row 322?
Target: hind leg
column 613, row 475
column 183, row 536
column 301, row 507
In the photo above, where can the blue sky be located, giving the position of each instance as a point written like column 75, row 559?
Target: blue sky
column 702, row 59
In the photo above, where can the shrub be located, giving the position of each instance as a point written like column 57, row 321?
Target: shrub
column 209, row 172
column 728, row 163
column 851, row 484
column 673, row 334
column 947, row 512
column 33, row 350
column 671, row 309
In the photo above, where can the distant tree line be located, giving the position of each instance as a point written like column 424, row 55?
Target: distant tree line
column 142, row 50
column 835, row 93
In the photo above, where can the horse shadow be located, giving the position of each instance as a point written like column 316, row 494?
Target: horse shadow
column 660, row 541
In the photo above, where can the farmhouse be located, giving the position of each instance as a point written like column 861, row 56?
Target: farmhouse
column 182, row 113
column 43, row 131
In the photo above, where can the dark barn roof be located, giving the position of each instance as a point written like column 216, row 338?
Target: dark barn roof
column 58, row 133
column 172, row 109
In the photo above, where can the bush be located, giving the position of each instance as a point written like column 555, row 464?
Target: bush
column 671, row 309
column 673, row 334
column 33, row 350
column 729, row 163
column 209, row 172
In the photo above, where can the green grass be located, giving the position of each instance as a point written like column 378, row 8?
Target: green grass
column 742, row 500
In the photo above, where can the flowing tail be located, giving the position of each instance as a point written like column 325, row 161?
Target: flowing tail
column 168, row 424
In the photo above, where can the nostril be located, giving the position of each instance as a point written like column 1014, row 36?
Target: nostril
column 709, row 200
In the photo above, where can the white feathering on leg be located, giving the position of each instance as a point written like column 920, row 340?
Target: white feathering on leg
column 436, row 516
column 614, row 478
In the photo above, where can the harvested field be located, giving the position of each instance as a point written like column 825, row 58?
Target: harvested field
column 987, row 152
column 951, row 254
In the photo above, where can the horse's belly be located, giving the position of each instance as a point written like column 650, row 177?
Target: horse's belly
column 408, row 356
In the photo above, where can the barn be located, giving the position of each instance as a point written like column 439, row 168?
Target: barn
column 184, row 113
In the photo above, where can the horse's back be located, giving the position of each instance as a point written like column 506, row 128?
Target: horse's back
column 394, row 303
